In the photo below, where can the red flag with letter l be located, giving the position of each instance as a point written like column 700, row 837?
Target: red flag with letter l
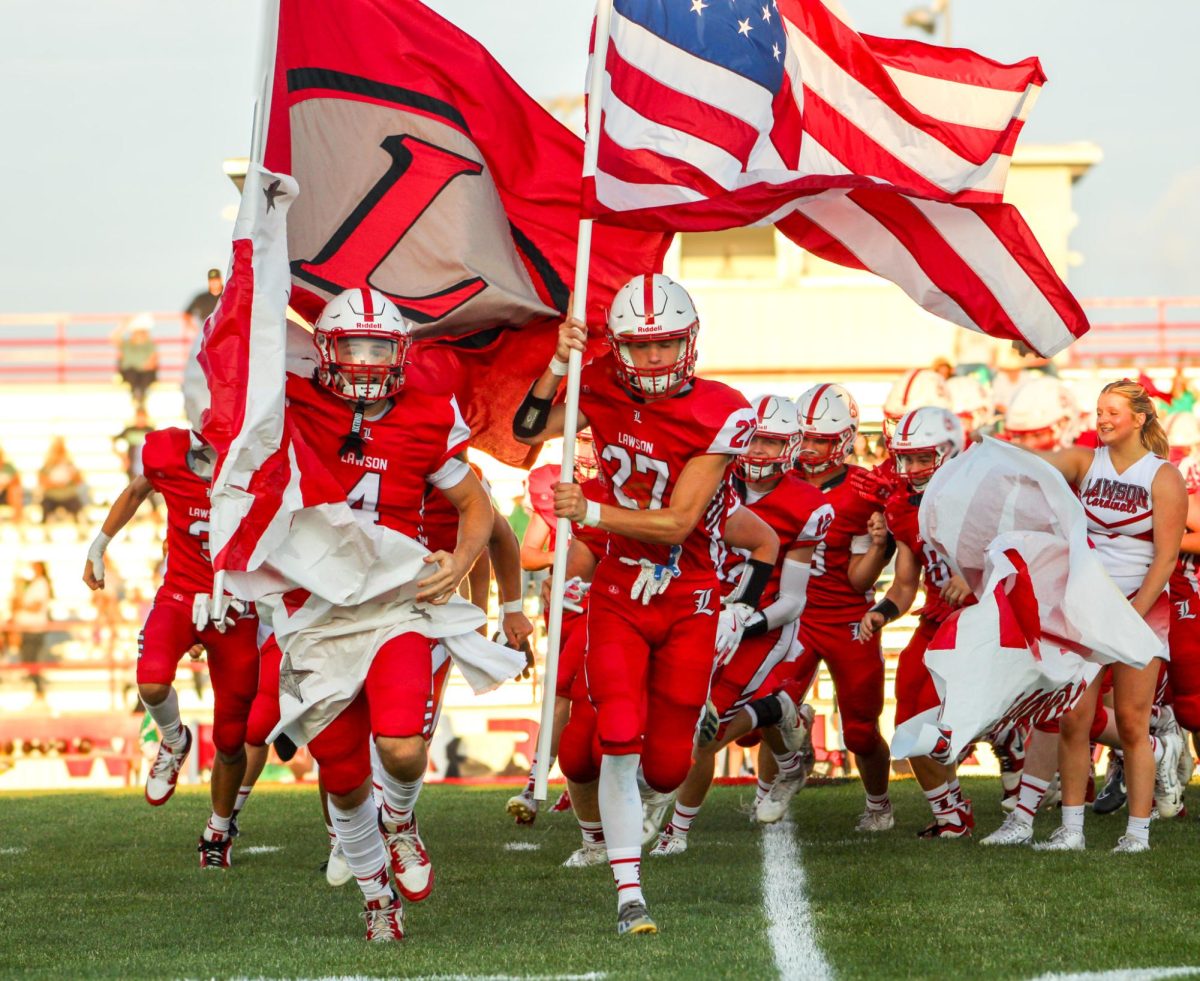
column 883, row 155
column 426, row 172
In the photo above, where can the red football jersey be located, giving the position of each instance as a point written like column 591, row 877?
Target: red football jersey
column 642, row 448
column 415, row 437
column 798, row 514
column 541, row 498
column 902, row 513
column 164, row 465
column 829, row 589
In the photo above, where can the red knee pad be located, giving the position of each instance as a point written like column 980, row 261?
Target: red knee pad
column 578, row 748
column 570, row 654
column 666, row 771
column 861, row 738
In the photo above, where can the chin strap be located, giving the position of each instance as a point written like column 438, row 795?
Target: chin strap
column 353, row 442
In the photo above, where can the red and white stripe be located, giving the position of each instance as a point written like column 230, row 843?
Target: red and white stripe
column 884, row 155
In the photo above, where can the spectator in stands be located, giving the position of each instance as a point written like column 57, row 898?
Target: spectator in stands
column 137, row 357
column 943, row 367
column 204, row 303
column 31, row 618
column 128, row 442
column 12, row 494
column 61, row 484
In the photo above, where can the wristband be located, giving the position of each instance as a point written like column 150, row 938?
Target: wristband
column 531, row 416
column 101, row 541
column 592, row 518
column 889, row 610
column 559, row 368
column 512, row 606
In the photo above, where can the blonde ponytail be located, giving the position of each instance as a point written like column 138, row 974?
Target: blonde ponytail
column 1152, row 434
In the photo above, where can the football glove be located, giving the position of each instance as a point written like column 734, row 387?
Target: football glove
column 653, row 578
column 871, row 485
column 219, row 612
column 731, row 623
column 575, row 590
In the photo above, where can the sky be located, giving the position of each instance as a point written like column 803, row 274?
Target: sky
column 116, row 117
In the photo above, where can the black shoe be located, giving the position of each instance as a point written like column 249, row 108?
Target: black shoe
column 1112, row 797
column 234, row 831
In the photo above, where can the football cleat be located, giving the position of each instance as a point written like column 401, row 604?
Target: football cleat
column 871, row 821
column 948, row 830
column 385, row 918
column 796, row 725
column 215, row 854
column 1063, row 839
column 670, row 842
column 1011, row 832
column 523, row 807
column 634, row 918
column 337, row 872
column 654, row 809
column 563, row 804
column 1168, row 792
column 164, row 773
column 410, row 861
column 1186, row 762
column 593, row 853
column 1112, row 795
column 1128, row 845
column 234, row 830
column 774, row 806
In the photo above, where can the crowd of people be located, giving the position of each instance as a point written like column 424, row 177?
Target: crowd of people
column 721, row 551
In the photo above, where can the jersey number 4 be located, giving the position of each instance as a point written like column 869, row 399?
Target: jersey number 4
column 643, row 464
column 365, row 495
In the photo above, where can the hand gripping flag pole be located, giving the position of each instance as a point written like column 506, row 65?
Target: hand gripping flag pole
column 562, row 540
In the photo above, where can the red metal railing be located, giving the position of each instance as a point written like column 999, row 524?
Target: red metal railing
column 47, row 348
column 1146, row 330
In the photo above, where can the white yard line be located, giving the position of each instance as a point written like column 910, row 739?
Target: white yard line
column 1123, row 974
column 260, row 849
column 521, row 846
column 592, row 976
column 791, row 927
column 12, row 850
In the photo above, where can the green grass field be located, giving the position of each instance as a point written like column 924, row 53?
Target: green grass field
column 100, row 885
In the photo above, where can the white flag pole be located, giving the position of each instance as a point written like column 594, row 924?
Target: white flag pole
column 583, row 254
column 268, row 41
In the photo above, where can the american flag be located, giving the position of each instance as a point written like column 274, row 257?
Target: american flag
column 884, row 155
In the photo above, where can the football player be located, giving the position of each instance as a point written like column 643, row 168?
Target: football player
column 845, row 567
column 385, row 433
column 922, row 441
column 752, row 643
column 178, row 465
column 666, row 441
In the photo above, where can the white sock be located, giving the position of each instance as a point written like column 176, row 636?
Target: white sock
column 166, row 716
column 621, row 816
column 1072, row 817
column 681, row 820
column 956, row 794
column 218, row 827
column 529, row 786
column 242, row 797
column 1157, row 747
column 331, row 832
column 1029, row 798
column 363, row 847
column 789, row 763
column 592, row 832
column 399, row 799
column 761, row 791
column 1138, row 828
column 880, row 803
column 941, row 801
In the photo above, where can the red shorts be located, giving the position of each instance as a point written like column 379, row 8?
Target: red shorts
column 753, row 662
column 169, row 633
column 401, row 697
column 1184, row 668
column 647, row 670
column 856, row 667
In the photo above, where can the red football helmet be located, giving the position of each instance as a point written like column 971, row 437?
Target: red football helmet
column 362, row 340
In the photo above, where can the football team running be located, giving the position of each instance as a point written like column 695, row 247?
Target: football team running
column 721, row 552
